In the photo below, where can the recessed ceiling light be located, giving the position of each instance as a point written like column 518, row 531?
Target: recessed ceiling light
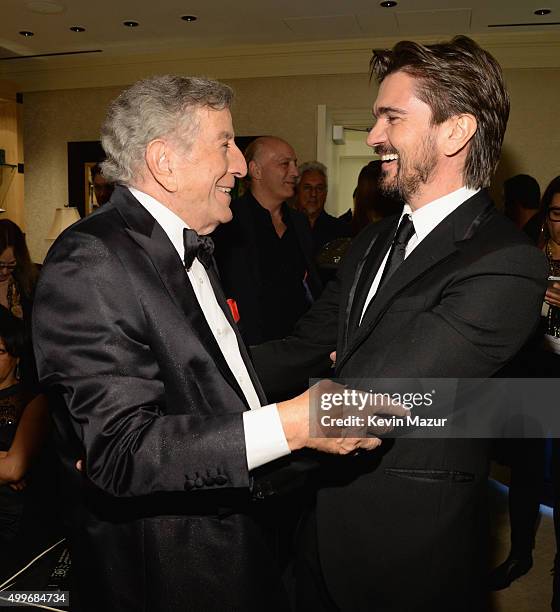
column 131, row 24
column 543, row 12
column 189, row 17
column 388, row 3
column 45, row 7
column 27, row 33
column 77, row 29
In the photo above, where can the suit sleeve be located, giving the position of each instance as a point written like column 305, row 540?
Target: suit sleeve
column 93, row 347
column 285, row 366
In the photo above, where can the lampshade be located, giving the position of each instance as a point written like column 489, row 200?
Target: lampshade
column 63, row 218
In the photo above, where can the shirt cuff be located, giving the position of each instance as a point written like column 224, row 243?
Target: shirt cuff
column 264, row 436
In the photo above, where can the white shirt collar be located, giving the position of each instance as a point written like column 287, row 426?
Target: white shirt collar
column 430, row 215
column 171, row 224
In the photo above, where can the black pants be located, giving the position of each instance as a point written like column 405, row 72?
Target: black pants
column 311, row 590
column 526, row 457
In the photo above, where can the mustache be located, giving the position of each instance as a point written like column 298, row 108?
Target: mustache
column 385, row 150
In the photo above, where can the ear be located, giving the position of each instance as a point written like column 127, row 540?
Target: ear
column 458, row 130
column 254, row 170
column 159, row 159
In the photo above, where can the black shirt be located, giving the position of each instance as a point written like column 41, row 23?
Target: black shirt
column 269, row 277
column 284, row 294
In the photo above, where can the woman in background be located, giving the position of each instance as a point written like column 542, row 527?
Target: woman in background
column 18, row 274
column 24, row 423
column 18, row 277
column 550, row 361
column 550, row 243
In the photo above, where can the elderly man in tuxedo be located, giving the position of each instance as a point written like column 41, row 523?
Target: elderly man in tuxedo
column 448, row 288
column 157, row 393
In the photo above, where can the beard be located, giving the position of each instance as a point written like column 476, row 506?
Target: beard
column 411, row 173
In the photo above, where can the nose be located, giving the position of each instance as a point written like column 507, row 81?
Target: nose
column 237, row 163
column 376, row 135
column 294, row 169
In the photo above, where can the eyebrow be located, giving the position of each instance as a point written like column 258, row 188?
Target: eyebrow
column 225, row 135
column 386, row 110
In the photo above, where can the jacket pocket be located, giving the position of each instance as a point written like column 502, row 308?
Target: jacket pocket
column 430, row 475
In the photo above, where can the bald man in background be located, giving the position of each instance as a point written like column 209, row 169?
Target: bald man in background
column 265, row 255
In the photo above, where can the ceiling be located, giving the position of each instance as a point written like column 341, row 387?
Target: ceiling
column 223, row 23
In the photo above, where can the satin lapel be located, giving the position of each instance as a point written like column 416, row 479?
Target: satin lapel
column 150, row 236
column 175, row 279
column 440, row 244
column 365, row 274
column 215, row 280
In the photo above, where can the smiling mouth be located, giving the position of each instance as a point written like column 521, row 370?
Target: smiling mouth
column 224, row 189
column 389, row 157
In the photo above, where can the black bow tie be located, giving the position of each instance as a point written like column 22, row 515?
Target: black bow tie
column 197, row 246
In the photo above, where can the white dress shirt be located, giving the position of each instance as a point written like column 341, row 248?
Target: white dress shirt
column 264, row 435
column 425, row 219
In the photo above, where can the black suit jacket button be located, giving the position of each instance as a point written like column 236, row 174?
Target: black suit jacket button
column 220, row 480
column 198, row 483
column 189, row 484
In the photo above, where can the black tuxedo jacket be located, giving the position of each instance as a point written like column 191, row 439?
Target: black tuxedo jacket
column 397, row 528
column 161, row 518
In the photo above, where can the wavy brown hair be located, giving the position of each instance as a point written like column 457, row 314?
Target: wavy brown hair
column 25, row 273
column 455, row 78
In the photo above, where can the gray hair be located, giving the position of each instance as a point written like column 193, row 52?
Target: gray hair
column 153, row 108
column 313, row 166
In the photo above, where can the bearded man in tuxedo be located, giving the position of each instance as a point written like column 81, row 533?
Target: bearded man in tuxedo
column 447, row 289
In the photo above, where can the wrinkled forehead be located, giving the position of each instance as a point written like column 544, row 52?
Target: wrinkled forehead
column 312, row 177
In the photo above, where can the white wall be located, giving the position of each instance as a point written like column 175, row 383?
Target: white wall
column 348, row 160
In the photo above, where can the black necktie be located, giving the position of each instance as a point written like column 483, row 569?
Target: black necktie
column 197, row 246
column 405, row 231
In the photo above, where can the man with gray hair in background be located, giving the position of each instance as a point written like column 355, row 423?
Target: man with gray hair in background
column 156, row 390
column 311, row 196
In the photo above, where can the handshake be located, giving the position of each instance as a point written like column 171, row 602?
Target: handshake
column 334, row 433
